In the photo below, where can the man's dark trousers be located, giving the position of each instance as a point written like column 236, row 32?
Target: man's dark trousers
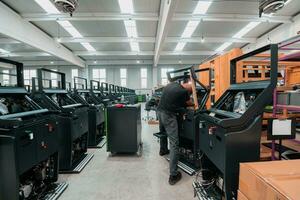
column 168, row 124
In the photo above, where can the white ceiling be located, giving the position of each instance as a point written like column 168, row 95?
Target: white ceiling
column 145, row 28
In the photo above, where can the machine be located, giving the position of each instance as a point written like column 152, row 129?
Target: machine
column 189, row 149
column 230, row 131
column 72, row 120
column 105, row 93
column 125, row 137
column 28, row 144
column 96, row 119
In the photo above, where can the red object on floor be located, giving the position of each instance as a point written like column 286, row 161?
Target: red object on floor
column 119, row 105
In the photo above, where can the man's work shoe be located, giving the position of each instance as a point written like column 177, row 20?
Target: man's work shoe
column 162, row 153
column 174, row 179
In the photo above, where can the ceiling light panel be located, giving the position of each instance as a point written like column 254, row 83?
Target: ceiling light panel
column 224, row 46
column 180, row 46
column 202, row 7
column 246, row 29
column 130, row 27
column 189, row 29
column 70, row 29
column 134, row 46
column 47, row 6
column 126, row 6
column 88, row 46
column 3, row 51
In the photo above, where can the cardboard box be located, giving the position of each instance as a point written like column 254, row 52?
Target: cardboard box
column 241, row 196
column 273, row 180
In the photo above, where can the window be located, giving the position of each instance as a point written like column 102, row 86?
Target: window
column 164, row 77
column 99, row 75
column 54, row 79
column 123, row 77
column 28, row 75
column 5, row 77
column 74, row 73
column 144, row 78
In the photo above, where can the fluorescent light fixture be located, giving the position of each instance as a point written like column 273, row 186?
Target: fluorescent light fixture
column 224, row 46
column 47, row 6
column 130, row 27
column 95, row 62
column 126, row 6
column 180, row 61
column 138, row 62
column 70, row 29
column 246, row 29
column 135, row 46
column 180, row 46
column 3, row 51
column 52, row 62
column 202, row 7
column 189, row 29
column 88, row 46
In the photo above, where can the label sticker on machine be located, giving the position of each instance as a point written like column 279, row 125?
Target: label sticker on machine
column 282, row 127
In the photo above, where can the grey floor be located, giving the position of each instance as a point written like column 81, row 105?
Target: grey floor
column 127, row 177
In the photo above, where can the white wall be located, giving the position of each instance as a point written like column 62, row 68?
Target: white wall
column 113, row 74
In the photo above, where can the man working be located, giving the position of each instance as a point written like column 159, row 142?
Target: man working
column 175, row 98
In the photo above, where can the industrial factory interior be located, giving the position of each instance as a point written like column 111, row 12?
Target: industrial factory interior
column 149, row 99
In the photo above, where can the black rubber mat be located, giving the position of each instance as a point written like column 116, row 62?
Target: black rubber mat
column 277, row 147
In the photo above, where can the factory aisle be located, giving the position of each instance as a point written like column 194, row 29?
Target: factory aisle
column 128, row 177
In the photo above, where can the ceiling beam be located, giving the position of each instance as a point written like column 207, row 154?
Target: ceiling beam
column 25, row 54
column 113, row 53
column 167, row 10
column 187, row 53
column 51, row 63
column 152, row 40
column 154, row 17
column 91, row 17
column 8, row 41
column 105, row 39
column 232, row 18
column 13, row 26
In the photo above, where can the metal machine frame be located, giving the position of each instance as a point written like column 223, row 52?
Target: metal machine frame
column 72, row 123
column 96, row 117
column 228, row 138
column 28, row 147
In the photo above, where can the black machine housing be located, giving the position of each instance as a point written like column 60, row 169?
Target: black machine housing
column 28, row 145
column 228, row 136
column 72, row 120
column 96, row 110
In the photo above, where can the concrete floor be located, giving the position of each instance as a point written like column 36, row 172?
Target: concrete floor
column 128, row 177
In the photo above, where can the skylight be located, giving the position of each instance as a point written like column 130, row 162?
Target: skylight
column 134, row 46
column 3, row 51
column 239, row 34
column 130, row 27
column 189, row 29
column 201, row 8
column 70, row 29
column 88, row 46
column 47, row 6
column 180, row 46
column 246, row 29
column 126, row 6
